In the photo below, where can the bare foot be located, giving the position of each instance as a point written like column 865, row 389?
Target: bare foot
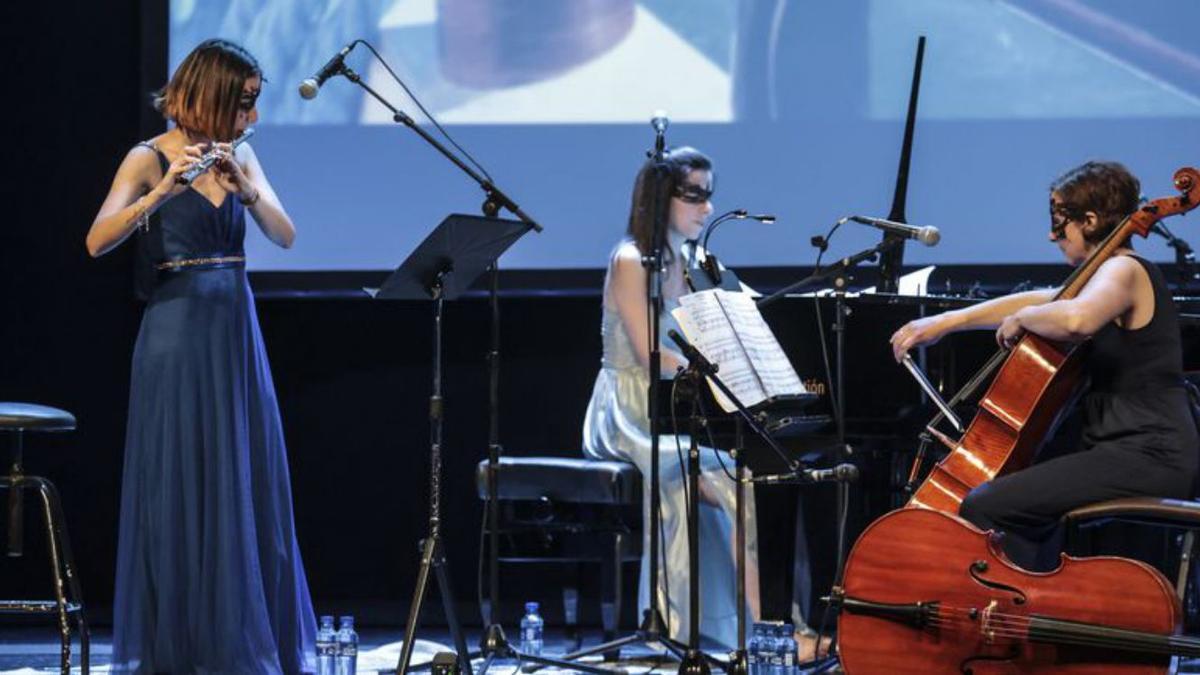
column 807, row 648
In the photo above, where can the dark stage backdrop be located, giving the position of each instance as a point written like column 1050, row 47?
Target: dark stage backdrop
column 68, row 321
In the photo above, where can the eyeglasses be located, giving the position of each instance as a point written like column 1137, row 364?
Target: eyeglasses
column 248, row 100
column 693, row 194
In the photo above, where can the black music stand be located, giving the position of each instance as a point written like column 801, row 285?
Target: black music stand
column 441, row 268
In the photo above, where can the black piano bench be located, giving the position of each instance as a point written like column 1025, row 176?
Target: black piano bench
column 17, row 419
column 571, row 511
column 1171, row 514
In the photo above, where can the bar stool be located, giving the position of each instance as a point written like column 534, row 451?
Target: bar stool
column 18, row 418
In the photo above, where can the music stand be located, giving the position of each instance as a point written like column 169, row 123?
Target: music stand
column 441, row 268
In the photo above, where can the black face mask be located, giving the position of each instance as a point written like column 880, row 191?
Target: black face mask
column 693, row 194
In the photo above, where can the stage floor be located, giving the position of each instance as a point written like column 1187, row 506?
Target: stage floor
column 27, row 650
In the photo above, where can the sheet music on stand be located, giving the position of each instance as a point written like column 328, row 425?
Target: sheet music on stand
column 729, row 330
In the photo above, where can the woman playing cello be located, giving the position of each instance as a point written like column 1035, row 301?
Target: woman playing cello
column 1139, row 438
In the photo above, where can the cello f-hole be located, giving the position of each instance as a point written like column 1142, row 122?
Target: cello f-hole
column 980, row 567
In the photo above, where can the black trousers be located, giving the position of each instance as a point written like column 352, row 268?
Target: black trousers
column 1027, row 505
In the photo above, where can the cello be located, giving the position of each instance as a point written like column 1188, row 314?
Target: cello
column 925, row 591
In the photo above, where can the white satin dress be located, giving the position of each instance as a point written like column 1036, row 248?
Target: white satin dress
column 617, row 428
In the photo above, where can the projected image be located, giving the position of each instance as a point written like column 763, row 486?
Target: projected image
column 613, row 61
column 484, row 61
column 801, row 104
column 1039, row 59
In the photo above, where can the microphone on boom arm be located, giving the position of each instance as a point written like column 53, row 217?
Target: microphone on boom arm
column 927, row 234
column 311, row 86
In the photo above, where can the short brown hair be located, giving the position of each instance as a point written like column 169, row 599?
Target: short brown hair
column 1106, row 188
column 203, row 94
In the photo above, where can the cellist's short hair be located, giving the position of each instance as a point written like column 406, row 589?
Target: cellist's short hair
column 202, row 96
column 1106, row 188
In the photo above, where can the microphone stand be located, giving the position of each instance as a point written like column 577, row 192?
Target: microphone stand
column 838, row 273
column 1185, row 259
column 494, row 644
column 653, row 629
column 698, row 371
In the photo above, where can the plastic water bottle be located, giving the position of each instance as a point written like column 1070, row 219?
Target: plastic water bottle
column 532, row 629
column 774, row 650
column 754, row 651
column 347, row 648
column 787, row 640
column 326, row 647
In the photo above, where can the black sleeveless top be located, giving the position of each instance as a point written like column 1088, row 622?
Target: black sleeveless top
column 1150, row 357
column 1136, row 401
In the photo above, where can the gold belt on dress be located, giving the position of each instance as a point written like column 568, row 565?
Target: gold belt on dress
column 197, row 262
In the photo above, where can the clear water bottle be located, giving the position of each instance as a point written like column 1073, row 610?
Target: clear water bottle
column 754, row 651
column 326, row 646
column 532, row 630
column 774, row 649
column 347, row 647
column 787, row 641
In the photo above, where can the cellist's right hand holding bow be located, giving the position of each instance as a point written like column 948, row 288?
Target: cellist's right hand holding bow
column 1010, row 331
column 918, row 332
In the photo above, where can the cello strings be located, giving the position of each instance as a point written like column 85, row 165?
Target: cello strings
column 1018, row 626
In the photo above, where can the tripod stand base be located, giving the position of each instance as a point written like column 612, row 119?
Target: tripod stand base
column 433, row 560
column 493, row 641
column 495, row 646
column 739, row 663
column 652, row 632
column 694, row 663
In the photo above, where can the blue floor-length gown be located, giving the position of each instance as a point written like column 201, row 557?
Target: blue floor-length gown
column 209, row 575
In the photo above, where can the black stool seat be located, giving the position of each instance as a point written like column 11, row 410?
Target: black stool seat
column 561, row 479
column 15, row 420
column 33, row 417
column 570, row 510
column 1147, row 510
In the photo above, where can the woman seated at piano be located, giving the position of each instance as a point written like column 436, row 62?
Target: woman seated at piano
column 1139, row 438
column 617, row 424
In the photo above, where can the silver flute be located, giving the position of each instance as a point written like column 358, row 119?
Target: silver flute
column 209, row 158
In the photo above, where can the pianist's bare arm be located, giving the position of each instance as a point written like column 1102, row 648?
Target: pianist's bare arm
column 627, row 290
column 985, row 315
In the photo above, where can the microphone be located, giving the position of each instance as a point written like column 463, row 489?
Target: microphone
column 709, row 264
column 842, row 473
column 660, row 122
column 310, row 86
column 927, row 235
